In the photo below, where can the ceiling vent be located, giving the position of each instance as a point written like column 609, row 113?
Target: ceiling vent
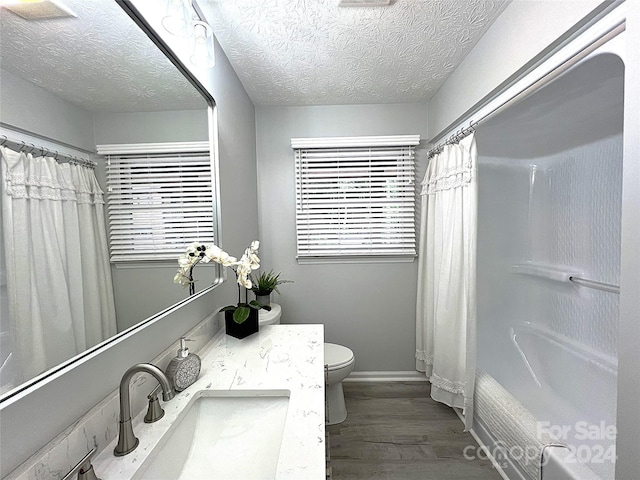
column 364, row 3
column 39, row 10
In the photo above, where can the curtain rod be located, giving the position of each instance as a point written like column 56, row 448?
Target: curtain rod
column 28, row 147
column 453, row 139
column 610, row 31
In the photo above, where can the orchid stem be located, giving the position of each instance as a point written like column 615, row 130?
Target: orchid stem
column 239, row 288
column 192, row 286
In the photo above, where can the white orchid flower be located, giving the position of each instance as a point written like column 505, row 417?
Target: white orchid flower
column 216, row 254
column 244, row 268
column 226, row 259
column 197, row 252
column 181, row 278
column 243, row 271
column 250, row 259
column 243, row 265
column 212, row 253
column 245, row 281
column 193, row 247
column 186, row 261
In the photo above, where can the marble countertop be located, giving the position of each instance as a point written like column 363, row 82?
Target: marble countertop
column 288, row 357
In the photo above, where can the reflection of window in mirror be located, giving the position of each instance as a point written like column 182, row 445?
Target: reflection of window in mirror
column 61, row 96
column 159, row 200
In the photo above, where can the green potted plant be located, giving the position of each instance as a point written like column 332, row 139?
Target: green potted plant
column 264, row 284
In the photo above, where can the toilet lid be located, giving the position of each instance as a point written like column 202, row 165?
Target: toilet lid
column 337, row 356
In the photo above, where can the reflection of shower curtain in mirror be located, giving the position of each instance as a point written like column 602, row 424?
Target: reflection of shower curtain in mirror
column 58, row 274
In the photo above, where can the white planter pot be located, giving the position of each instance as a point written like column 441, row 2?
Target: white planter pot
column 264, row 299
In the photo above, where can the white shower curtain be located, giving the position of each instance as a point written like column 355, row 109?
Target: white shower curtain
column 446, row 305
column 58, row 274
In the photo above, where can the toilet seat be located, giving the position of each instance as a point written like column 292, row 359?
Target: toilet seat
column 337, row 356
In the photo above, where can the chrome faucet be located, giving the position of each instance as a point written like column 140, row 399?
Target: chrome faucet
column 127, row 441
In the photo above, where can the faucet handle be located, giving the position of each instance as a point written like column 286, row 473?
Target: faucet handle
column 88, row 474
column 154, row 410
column 155, row 392
column 84, row 469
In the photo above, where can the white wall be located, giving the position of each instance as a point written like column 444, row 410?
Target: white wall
column 151, row 127
column 628, row 424
column 519, row 34
column 367, row 307
column 28, row 107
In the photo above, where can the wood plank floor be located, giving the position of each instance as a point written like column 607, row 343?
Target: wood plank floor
column 395, row 431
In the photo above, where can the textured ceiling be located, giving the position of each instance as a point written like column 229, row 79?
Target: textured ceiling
column 311, row 52
column 100, row 61
column 286, row 52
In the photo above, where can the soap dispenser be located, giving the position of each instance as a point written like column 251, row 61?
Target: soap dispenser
column 184, row 368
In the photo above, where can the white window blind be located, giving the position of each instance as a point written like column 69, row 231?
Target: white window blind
column 355, row 196
column 158, row 202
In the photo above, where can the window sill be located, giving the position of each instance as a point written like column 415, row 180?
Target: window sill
column 155, row 264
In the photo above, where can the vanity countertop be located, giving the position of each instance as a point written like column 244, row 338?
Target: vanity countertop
column 287, row 357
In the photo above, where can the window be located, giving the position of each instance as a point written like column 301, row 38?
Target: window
column 160, row 199
column 355, row 196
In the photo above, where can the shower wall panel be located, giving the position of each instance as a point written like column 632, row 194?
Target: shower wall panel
column 549, row 204
column 576, row 206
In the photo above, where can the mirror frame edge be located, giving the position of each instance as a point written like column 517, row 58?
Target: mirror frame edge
column 50, row 375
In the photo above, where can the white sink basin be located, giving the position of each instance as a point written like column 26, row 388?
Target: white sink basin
column 223, row 435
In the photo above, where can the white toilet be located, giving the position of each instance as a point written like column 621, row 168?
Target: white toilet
column 339, row 362
column 271, row 317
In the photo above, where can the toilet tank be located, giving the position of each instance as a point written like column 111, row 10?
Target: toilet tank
column 270, row 317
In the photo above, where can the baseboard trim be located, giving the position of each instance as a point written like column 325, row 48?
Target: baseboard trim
column 408, row 376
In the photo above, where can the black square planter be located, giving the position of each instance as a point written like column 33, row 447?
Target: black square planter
column 244, row 329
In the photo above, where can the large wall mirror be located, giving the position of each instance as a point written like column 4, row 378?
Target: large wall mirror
column 68, row 84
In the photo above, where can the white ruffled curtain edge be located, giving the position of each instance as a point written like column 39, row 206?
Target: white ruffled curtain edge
column 69, row 189
column 457, row 393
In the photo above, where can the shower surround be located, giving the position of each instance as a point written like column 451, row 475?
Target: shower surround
column 549, row 210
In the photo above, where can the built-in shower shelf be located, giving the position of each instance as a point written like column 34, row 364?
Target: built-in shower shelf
column 550, row 272
column 562, row 274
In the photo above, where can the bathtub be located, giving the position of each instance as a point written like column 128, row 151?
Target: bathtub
column 576, row 411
